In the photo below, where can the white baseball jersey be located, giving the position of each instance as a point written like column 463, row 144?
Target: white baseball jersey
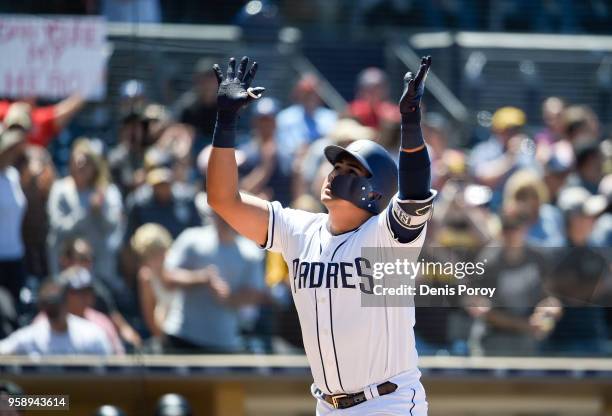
column 349, row 347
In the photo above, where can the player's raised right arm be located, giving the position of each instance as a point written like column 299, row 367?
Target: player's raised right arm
column 247, row 214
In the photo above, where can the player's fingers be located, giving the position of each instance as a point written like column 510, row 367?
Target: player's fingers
column 425, row 63
column 218, row 73
column 231, row 68
column 407, row 78
column 248, row 78
column 242, row 68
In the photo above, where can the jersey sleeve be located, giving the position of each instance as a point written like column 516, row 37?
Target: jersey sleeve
column 286, row 227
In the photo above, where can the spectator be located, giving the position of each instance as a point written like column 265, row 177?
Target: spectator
column 506, row 150
column 516, row 271
column 266, row 170
column 80, row 299
column 552, row 132
column 527, row 192
column 77, row 252
column 37, row 176
column 198, row 106
column 580, row 125
column 176, row 140
column 580, row 209
column 162, row 201
column 56, row 332
column 371, row 105
column 41, row 123
column 12, row 208
column 214, row 279
column 602, row 230
column 589, row 161
column 557, row 168
column 581, row 330
column 306, row 120
column 86, row 204
column 127, row 157
column 151, row 242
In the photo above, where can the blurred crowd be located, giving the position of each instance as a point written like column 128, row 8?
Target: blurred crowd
column 123, row 254
column 557, row 16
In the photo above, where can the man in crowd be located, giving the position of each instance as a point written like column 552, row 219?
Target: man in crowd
column 56, row 332
column 80, row 299
column 213, row 281
column 306, row 120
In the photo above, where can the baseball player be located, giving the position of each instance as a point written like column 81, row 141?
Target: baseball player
column 363, row 359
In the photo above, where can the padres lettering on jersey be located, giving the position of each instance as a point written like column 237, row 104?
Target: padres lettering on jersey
column 348, row 346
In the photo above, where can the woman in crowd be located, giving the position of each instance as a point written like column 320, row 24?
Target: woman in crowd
column 151, row 242
column 86, row 204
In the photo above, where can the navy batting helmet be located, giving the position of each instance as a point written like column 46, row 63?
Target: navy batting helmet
column 374, row 191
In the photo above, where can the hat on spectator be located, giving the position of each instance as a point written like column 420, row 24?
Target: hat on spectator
column 19, row 114
column 9, row 138
column 348, row 130
column 158, row 176
column 577, row 200
column 266, row 107
column 76, row 278
column 508, row 117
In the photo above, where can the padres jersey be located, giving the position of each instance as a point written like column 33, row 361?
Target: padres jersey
column 348, row 346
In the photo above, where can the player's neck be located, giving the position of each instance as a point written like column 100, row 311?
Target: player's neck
column 340, row 222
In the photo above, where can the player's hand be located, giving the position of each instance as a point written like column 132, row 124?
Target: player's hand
column 414, row 87
column 235, row 90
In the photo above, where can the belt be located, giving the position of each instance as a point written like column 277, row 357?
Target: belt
column 344, row 401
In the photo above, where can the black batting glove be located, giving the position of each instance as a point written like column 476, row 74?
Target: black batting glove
column 235, row 90
column 414, row 87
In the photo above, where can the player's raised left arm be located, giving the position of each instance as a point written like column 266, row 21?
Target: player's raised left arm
column 410, row 211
